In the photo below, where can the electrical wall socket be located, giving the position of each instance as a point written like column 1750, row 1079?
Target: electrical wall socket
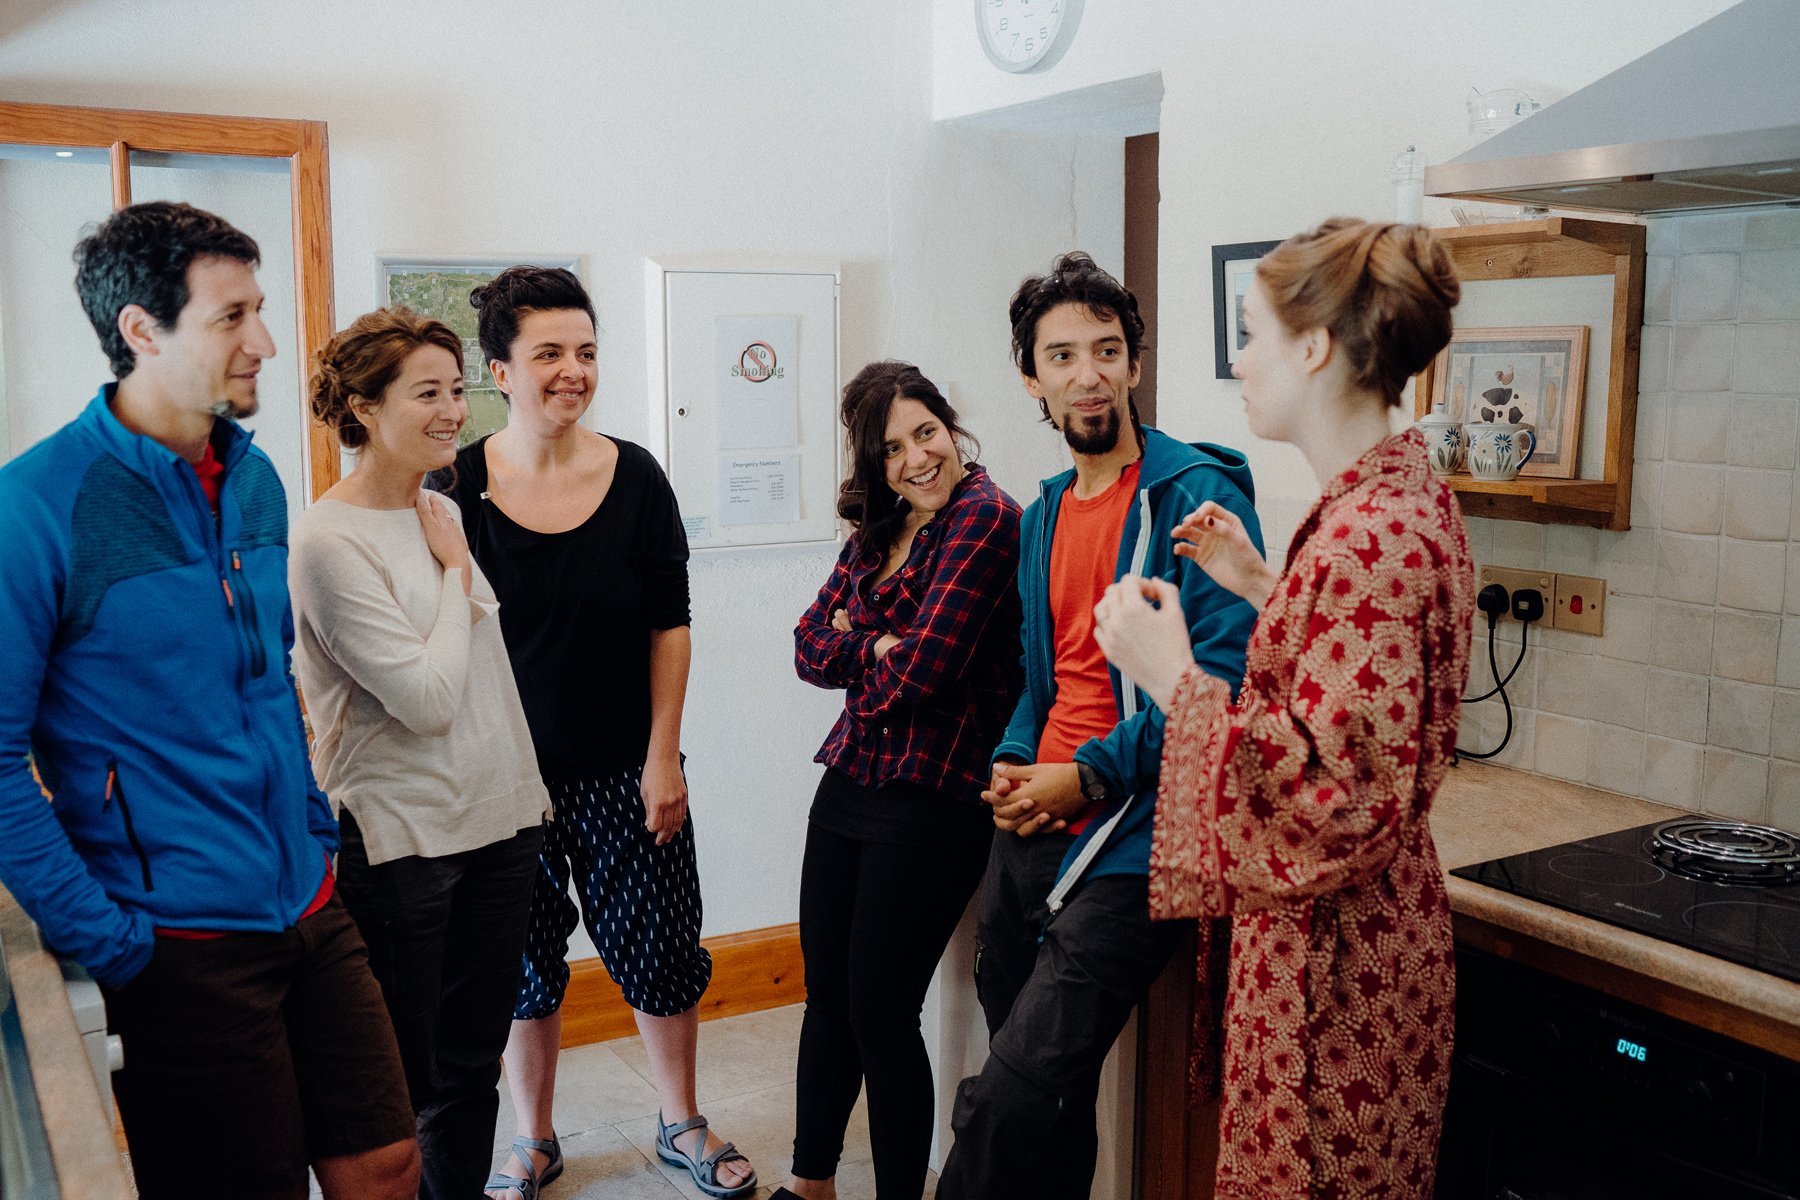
column 1512, row 579
column 1580, row 605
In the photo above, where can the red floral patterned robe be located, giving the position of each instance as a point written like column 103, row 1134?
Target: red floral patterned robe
column 1299, row 813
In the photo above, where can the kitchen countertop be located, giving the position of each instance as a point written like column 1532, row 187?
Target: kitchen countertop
column 1484, row 812
column 77, row 1127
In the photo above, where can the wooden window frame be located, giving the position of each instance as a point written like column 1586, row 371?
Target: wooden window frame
column 119, row 131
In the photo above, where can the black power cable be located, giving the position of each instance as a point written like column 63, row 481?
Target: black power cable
column 1493, row 601
column 1524, row 640
column 1527, row 606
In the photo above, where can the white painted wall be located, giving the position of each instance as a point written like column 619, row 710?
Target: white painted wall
column 622, row 131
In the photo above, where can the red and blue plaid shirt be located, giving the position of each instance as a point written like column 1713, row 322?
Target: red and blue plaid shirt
column 931, row 710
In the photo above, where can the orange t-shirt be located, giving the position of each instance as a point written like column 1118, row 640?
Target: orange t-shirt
column 1084, row 553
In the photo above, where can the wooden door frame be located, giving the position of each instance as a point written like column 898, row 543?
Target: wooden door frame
column 1143, row 200
column 119, row 131
column 1178, row 1141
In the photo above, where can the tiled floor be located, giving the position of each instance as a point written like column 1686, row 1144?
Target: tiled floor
column 606, row 1114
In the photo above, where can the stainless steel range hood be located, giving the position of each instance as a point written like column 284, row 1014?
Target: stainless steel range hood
column 1710, row 120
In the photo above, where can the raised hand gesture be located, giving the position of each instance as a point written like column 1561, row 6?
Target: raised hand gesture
column 1216, row 540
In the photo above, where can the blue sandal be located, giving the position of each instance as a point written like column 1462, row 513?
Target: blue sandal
column 529, row 1187
column 704, row 1170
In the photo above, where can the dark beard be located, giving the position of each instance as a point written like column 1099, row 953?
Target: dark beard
column 232, row 411
column 1092, row 437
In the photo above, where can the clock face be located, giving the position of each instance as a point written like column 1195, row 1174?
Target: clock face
column 1019, row 35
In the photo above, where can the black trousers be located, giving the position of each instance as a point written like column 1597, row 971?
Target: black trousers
column 445, row 939
column 874, row 920
column 1055, row 999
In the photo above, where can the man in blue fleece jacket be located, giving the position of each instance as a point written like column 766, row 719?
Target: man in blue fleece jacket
column 1066, row 947
column 184, row 854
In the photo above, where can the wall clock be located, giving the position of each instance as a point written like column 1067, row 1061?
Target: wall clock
column 1026, row 35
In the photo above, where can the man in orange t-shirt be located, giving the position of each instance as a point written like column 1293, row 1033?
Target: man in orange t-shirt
column 1066, row 944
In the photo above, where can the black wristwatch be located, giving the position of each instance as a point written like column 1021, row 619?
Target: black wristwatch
column 1093, row 788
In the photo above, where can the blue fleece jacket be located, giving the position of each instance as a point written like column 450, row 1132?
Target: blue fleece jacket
column 1173, row 480
column 145, row 670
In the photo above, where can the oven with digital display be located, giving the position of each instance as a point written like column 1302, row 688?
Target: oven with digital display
column 1559, row 1092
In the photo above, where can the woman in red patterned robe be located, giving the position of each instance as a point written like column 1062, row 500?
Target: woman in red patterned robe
column 1299, row 812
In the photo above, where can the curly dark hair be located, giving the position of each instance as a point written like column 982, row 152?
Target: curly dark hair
column 362, row 359
column 1074, row 278
column 504, row 300
column 140, row 255
column 865, row 499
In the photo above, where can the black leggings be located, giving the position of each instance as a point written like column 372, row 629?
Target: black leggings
column 874, row 920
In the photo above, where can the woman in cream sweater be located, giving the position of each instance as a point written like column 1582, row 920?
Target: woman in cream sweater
column 420, row 739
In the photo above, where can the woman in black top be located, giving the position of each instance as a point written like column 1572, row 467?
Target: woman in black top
column 580, row 536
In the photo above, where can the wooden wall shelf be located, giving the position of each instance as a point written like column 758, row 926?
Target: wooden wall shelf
column 1551, row 248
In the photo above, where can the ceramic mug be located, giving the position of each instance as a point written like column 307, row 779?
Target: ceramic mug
column 1498, row 450
column 1444, row 444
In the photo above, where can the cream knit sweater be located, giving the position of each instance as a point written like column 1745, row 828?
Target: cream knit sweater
column 417, row 728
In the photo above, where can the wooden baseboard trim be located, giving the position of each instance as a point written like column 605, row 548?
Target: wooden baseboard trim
column 753, row 970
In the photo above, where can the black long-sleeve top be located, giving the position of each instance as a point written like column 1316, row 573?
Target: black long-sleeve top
column 577, row 608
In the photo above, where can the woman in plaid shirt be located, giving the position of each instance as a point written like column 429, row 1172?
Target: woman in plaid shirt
column 919, row 625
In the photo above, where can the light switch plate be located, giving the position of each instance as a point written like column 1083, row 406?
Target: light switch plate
column 1580, row 605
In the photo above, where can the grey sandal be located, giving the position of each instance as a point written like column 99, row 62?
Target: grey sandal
column 533, row 1182
column 704, row 1170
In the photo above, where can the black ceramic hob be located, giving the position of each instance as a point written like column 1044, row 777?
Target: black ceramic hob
column 1719, row 887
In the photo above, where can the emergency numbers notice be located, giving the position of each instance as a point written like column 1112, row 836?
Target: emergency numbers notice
column 759, row 490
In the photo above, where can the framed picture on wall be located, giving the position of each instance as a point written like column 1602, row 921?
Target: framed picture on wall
column 439, row 286
column 1233, row 267
column 1520, row 376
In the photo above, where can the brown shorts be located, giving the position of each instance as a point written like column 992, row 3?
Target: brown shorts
column 250, row 1055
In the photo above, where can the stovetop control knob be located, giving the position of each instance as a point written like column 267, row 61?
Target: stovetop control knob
column 1697, row 1097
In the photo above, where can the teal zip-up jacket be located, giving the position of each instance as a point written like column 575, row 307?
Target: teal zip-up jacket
column 1173, row 480
column 144, row 664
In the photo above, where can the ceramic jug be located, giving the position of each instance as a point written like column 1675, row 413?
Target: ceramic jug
column 1444, row 443
column 1497, row 450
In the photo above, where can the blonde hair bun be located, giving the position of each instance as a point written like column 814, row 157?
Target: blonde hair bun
column 1383, row 290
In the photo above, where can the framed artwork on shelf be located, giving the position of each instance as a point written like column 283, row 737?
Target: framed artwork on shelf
column 439, row 286
column 1233, row 268
column 1530, row 375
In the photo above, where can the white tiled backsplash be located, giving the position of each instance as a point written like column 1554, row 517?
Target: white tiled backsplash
column 1692, row 697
